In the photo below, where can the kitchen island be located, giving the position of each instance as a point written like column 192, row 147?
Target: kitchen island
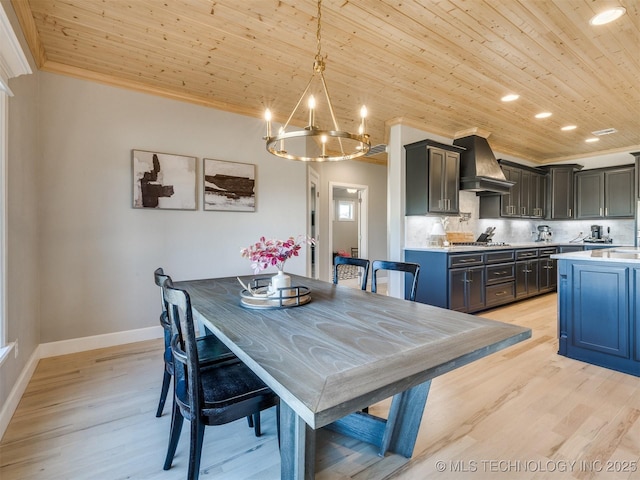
column 599, row 307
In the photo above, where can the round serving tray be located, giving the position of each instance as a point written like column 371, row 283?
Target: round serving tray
column 288, row 297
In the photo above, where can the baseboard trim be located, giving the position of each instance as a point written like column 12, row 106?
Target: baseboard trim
column 17, row 391
column 75, row 345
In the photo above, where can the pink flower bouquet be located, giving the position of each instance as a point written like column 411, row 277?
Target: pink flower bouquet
column 266, row 253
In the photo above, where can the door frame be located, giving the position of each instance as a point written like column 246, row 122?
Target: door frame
column 313, row 178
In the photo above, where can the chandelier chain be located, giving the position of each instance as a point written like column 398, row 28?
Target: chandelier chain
column 318, row 31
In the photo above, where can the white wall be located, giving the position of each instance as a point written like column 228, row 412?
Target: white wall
column 360, row 173
column 97, row 252
column 345, row 233
column 23, row 281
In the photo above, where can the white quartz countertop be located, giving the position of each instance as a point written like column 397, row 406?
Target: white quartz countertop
column 615, row 254
column 510, row 246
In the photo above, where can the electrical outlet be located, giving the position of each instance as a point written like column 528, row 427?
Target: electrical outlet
column 15, row 349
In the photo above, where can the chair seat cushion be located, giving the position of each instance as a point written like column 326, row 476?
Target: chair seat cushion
column 225, row 384
column 229, row 384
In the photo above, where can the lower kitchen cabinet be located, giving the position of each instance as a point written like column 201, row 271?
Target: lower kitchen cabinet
column 527, row 273
column 547, row 270
column 475, row 281
column 467, row 289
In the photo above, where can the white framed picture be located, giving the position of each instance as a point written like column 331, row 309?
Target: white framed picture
column 229, row 186
column 164, row 181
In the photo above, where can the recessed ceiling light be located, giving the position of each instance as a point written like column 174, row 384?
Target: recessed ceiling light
column 608, row 16
column 510, row 98
column 592, row 139
column 568, row 127
column 605, row 131
column 544, row 115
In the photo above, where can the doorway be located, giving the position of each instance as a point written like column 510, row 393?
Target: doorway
column 348, row 220
column 313, row 194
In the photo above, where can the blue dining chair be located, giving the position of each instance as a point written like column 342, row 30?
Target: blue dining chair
column 412, row 269
column 341, row 262
column 210, row 349
column 213, row 395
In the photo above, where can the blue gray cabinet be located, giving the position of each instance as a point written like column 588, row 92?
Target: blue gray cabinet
column 527, row 273
column 475, row 281
column 466, row 289
column 526, row 198
column 605, row 193
column 560, row 192
column 598, row 313
column 547, row 270
column 432, row 178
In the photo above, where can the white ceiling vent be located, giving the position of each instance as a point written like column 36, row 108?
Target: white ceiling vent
column 606, row 131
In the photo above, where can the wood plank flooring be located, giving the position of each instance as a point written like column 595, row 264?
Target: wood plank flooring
column 523, row 413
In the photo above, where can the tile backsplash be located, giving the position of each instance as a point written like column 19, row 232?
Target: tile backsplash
column 418, row 228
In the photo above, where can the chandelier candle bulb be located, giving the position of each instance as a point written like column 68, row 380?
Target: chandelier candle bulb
column 312, row 105
column 323, row 139
column 267, row 117
column 363, row 115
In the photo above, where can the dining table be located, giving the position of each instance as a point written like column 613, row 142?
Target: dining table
column 340, row 351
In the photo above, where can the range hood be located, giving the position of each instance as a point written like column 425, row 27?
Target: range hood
column 479, row 169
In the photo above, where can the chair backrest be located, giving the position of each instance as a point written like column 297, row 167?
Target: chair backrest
column 160, row 278
column 184, row 349
column 358, row 262
column 411, row 268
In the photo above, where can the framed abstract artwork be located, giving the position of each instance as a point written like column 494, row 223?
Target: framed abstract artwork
column 164, row 181
column 229, row 186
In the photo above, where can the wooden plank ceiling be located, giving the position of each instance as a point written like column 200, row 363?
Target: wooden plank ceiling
column 439, row 65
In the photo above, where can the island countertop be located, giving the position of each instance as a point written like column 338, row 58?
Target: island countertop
column 616, row 255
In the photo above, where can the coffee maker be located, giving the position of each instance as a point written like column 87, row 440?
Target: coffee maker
column 598, row 235
column 544, row 233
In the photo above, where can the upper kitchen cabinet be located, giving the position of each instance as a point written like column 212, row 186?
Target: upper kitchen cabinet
column 606, row 193
column 526, row 198
column 432, row 178
column 560, row 191
column 590, row 194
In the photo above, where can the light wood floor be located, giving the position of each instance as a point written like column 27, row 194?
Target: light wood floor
column 523, row 413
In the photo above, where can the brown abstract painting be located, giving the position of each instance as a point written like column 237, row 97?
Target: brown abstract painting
column 229, row 186
column 163, row 181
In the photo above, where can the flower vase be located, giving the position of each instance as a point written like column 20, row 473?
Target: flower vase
column 281, row 280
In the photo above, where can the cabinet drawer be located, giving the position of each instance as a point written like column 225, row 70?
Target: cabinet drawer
column 466, row 260
column 499, row 257
column 547, row 251
column 499, row 294
column 525, row 254
column 500, row 273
